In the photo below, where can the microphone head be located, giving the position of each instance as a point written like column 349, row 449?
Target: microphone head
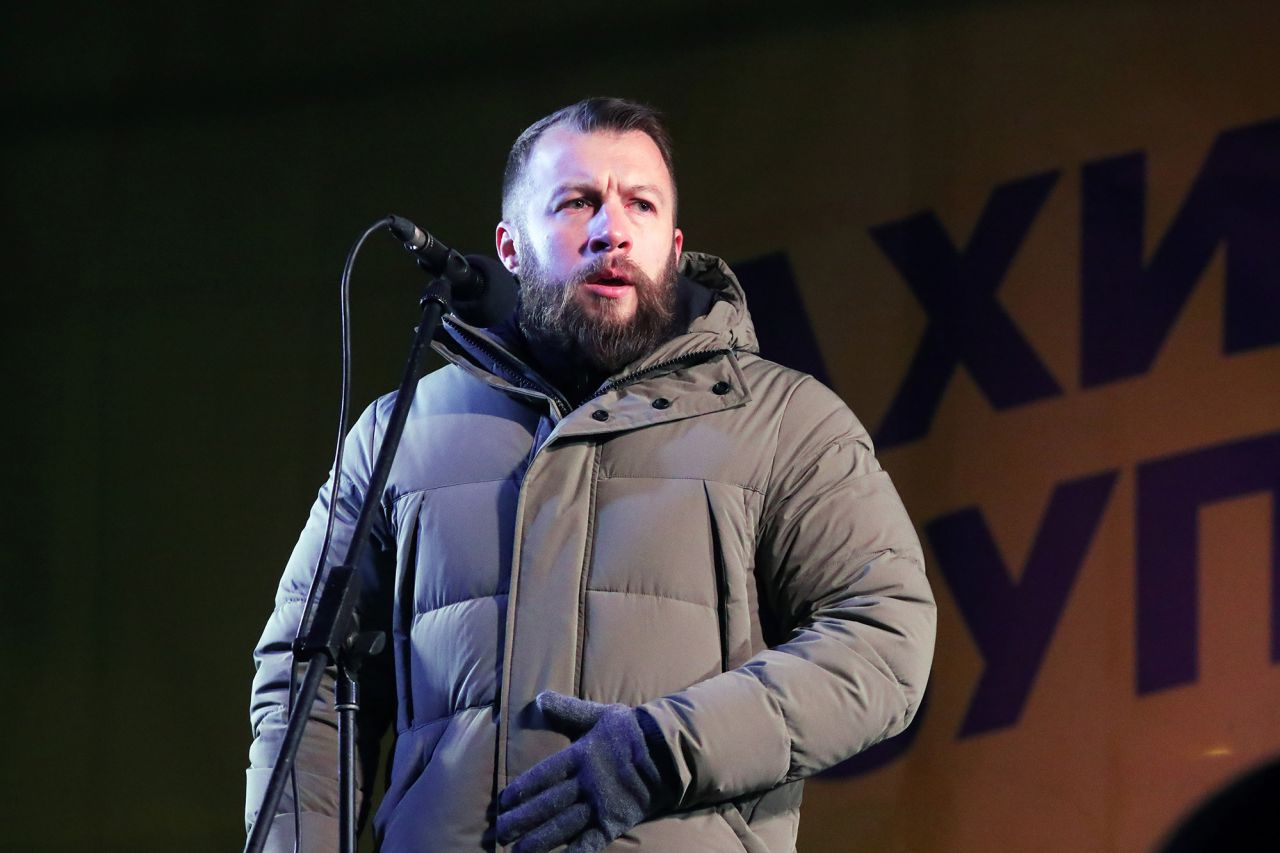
column 496, row 300
column 406, row 232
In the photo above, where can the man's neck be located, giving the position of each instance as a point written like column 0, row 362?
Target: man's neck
column 566, row 368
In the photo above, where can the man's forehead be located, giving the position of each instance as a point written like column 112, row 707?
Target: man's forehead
column 565, row 156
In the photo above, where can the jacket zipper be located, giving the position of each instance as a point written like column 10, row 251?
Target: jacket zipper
column 687, row 358
column 513, row 375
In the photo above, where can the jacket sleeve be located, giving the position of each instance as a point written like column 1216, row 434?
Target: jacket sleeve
column 840, row 569
column 317, row 759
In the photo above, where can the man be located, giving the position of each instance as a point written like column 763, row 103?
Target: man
column 637, row 580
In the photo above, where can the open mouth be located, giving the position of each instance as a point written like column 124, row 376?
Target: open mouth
column 611, row 284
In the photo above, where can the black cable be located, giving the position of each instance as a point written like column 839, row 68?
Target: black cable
column 344, row 400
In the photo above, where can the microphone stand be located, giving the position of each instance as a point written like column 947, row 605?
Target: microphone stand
column 333, row 634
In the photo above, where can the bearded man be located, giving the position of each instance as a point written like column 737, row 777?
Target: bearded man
column 639, row 582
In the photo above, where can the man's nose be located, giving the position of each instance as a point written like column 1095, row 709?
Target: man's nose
column 609, row 230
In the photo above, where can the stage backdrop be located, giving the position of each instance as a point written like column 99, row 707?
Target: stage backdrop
column 1039, row 252
column 1035, row 247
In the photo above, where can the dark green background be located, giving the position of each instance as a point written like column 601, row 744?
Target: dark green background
column 181, row 183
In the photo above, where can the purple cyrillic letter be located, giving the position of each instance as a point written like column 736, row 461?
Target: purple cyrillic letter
column 1169, row 494
column 1127, row 309
column 1012, row 623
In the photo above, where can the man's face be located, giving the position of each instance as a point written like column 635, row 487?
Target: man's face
column 594, row 242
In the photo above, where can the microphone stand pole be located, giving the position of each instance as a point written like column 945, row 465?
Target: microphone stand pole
column 333, row 633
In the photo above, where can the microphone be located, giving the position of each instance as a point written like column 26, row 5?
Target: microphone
column 484, row 293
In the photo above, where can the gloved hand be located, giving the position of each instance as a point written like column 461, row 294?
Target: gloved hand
column 588, row 793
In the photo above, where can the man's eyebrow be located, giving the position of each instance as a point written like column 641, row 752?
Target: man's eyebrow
column 582, row 187
column 647, row 189
column 588, row 188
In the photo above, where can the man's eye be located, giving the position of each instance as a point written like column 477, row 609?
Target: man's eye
column 577, row 204
column 643, row 206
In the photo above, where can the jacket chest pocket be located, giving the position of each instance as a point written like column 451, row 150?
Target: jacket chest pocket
column 669, row 592
column 732, row 513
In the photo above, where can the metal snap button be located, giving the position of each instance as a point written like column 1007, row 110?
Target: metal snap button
column 600, row 415
column 662, row 403
column 721, row 388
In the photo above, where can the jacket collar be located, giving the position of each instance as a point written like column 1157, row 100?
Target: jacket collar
column 496, row 354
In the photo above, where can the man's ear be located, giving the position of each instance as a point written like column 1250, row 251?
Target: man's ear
column 678, row 240
column 505, row 238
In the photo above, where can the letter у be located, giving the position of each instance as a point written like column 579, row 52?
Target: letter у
column 1012, row 623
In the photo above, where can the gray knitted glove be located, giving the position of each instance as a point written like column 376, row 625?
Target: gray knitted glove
column 588, row 793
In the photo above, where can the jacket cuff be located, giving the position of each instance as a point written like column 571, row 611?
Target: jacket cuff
column 663, row 759
column 726, row 737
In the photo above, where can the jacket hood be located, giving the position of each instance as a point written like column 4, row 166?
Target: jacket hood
column 728, row 318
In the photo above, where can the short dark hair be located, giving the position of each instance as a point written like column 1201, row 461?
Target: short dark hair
column 589, row 115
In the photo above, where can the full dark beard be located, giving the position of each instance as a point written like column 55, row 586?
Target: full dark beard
column 562, row 314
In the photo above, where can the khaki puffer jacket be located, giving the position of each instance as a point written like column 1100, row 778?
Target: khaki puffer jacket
column 710, row 537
